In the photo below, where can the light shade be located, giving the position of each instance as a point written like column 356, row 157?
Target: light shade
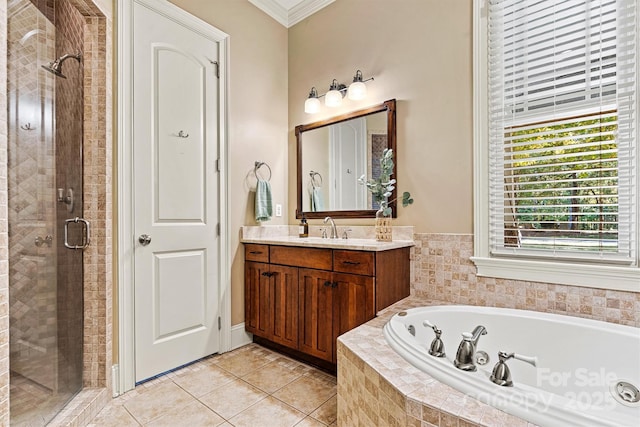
column 312, row 105
column 333, row 98
column 357, row 91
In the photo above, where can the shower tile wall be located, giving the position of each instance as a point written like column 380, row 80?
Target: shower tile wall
column 4, row 236
column 46, row 7
column 98, row 262
column 442, row 270
column 31, row 176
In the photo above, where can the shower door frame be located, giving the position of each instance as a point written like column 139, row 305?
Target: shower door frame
column 124, row 372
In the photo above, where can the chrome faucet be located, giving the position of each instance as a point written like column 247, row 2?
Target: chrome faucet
column 334, row 230
column 467, row 349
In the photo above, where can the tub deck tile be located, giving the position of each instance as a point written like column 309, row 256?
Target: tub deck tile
column 376, row 385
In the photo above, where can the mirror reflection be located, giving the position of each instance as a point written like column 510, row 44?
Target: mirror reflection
column 334, row 153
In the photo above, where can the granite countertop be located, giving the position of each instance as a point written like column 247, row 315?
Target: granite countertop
column 360, row 238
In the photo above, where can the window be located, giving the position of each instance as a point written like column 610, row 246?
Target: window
column 556, row 141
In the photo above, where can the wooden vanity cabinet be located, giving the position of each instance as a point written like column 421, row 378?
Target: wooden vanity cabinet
column 330, row 305
column 304, row 298
column 273, row 308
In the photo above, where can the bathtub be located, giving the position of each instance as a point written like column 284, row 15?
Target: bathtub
column 582, row 365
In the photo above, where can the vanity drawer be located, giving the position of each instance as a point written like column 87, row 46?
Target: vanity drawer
column 318, row 258
column 255, row 252
column 356, row 262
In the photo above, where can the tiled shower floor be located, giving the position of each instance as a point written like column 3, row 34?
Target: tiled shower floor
column 31, row 403
column 251, row 386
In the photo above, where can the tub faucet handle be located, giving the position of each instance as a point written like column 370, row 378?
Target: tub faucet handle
column 501, row 374
column 436, row 348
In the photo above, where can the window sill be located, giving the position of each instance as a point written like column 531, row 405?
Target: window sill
column 564, row 273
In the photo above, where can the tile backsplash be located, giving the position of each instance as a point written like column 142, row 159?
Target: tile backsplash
column 442, row 270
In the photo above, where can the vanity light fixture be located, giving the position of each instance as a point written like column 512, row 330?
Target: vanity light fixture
column 312, row 104
column 357, row 89
column 333, row 98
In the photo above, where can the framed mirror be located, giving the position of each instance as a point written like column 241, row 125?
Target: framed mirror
column 334, row 153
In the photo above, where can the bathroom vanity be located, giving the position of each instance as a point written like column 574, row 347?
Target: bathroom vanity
column 301, row 294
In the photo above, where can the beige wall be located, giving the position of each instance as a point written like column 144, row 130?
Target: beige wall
column 419, row 52
column 257, row 115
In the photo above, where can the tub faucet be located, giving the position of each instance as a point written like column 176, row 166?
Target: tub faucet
column 334, row 230
column 501, row 374
column 467, row 349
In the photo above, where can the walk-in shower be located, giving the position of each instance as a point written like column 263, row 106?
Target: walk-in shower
column 45, row 136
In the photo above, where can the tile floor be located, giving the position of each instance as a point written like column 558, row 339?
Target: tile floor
column 251, row 386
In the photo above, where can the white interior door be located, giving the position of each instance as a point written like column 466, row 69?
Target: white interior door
column 176, row 194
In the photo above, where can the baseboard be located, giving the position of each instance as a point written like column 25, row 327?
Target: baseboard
column 240, row 337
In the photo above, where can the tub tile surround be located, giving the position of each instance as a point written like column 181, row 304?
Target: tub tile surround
column 376, row 386
column 442, row 270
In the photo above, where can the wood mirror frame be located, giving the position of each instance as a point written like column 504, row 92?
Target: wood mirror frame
column 388, row 106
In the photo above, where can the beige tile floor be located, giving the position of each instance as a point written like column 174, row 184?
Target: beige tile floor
column 251, row 386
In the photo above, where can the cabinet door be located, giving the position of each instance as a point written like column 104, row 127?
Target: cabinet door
column 354, row 301
column 283, row 297
column 256, row 298
column 316, row 313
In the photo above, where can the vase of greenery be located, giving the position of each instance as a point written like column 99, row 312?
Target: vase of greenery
column 381, row 189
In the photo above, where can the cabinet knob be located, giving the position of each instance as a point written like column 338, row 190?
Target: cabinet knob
column 327, row 283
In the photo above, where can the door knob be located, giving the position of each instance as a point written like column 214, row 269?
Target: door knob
column 144, row 239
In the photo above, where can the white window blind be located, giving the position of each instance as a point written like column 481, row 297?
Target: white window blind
column 562, row 129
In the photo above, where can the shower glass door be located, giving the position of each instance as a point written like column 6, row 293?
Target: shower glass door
column 45, row 278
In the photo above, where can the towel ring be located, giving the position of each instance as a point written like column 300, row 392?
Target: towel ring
column 257, row 166
column 313, row 176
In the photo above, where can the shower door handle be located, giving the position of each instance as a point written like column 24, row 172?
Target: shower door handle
column 86, row 236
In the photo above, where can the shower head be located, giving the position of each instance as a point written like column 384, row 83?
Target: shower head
column 55, row 67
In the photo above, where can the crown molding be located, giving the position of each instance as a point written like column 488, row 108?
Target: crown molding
column 273, row 9
column 290, row 17
column 305, row 9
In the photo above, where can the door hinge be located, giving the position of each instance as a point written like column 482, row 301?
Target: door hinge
column 218, row 165
column 219, row 322
column 218, row 229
